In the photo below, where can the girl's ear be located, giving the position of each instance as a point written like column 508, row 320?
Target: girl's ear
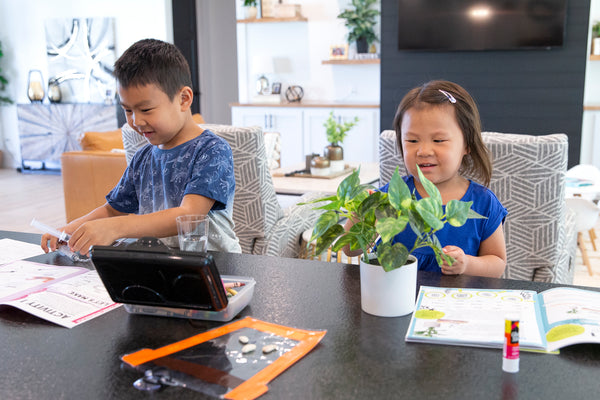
column 186, row 96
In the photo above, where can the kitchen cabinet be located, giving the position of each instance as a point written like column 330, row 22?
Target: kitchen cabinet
column 286, row 121
column 302, row 131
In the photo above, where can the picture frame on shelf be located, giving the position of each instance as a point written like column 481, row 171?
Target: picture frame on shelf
column 338, row 52
column 276, row 88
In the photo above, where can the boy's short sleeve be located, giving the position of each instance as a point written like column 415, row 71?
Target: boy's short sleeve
column 212, row 174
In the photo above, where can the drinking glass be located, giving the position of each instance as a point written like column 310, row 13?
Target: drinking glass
column 192, row 231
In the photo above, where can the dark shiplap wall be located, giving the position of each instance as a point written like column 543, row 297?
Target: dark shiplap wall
column 526, row 91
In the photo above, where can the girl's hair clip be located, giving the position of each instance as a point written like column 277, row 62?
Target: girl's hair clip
column 451, row 98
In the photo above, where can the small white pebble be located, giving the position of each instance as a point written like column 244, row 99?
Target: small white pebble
column 248, row 348
column 243, row 339
column 269, row 348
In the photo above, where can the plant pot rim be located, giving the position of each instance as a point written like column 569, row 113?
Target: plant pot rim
column 373, row 260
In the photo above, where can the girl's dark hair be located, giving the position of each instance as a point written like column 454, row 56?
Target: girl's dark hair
column 477, row 162
column 151, row 61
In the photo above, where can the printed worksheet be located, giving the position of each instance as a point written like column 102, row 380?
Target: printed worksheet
column 67, row 296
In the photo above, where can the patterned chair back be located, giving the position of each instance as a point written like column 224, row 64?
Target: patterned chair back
column 529, row 179
column 255, row 206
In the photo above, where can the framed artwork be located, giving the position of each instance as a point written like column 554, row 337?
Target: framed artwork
column 276, row 88
column 338, row 52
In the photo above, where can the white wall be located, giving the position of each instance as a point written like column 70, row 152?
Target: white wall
column 23, row 43
column 297, row 49
column 590, row 140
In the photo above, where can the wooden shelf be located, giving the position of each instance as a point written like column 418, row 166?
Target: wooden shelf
column 594, row 58
column 269, row 20
column 365, row 61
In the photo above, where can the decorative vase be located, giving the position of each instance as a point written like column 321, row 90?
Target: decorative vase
column 388, row 294
column 361, row 45
column 335, row 154
column 596, row 46
column 251, row 12
column 320, row 166
column 35, row 88
column 54, row 94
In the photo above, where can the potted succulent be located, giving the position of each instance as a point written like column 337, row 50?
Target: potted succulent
column 251, row 9
column 361, row 21
column 336, row 133
column 388, row 273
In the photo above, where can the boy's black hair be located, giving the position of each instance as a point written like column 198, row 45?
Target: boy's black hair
column 151, row 61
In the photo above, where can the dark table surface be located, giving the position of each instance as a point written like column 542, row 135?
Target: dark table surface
column 360, row 357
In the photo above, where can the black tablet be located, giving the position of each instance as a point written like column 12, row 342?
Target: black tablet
column 147, row 272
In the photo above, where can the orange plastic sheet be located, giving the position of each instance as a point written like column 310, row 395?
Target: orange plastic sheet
column 250, row 388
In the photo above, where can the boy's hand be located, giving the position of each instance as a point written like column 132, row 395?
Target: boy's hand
column 100, row 232
column 459, row 265
column 54, row 243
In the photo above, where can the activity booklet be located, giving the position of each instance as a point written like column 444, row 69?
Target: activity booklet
column 67, row 296
column 549, row 320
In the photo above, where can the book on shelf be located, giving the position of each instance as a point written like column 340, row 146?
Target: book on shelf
column 549, row 320
column 67, row 296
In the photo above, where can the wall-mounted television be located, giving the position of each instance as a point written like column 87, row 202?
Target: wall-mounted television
column 451, row 25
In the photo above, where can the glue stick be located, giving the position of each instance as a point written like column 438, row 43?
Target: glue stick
column 510, row 350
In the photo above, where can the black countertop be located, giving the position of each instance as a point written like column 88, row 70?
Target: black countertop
column 360, row 357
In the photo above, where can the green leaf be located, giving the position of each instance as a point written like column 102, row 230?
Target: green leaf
column 327, row 238
column 324, row 222
column 348, row 184
column 457, row 212
column 328, row 198
column 388, row 228
column 392, row 256
column 431, row 212
column 347, row 239
column 399, row 193
column 430, row 188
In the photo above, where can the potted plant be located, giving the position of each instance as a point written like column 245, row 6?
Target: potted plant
column 388, row 273
column 251, row 9
column 3, row 83
column 596, row 38
column 336, row 133
column 361, row 21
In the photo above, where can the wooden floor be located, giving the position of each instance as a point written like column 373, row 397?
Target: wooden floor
column 40, row 196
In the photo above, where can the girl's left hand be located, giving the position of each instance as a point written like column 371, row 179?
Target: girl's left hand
column 460, row 264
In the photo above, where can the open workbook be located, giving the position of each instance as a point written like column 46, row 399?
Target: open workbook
column 549, row 320
column 67, row 296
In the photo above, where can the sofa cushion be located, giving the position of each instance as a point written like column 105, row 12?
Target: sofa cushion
column 101, row 140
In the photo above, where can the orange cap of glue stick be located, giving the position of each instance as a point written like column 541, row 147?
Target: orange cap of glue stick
column 510, row 349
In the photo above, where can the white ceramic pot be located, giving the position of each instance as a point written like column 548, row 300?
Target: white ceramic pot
column 336, row 165
column 251, row 12
column 388, row 294
column 596, row 46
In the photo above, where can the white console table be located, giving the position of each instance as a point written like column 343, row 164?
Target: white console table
column 48, row 130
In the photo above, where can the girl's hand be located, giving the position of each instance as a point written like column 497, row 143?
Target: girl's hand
column 460, row 264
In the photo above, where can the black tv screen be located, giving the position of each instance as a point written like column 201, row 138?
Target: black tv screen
column 480, row 24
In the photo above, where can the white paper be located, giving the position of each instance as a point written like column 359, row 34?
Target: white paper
column 11, row 250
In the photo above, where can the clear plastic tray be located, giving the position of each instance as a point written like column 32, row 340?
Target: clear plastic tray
column 234, row 306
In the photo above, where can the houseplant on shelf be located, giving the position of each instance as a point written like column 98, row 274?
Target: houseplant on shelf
column 596, row 38
column 3, row 83
column 388, row 274
column 336, row 133
column 251, row 9
column 361, row 21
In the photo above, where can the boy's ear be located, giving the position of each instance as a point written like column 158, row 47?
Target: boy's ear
column 186, row 96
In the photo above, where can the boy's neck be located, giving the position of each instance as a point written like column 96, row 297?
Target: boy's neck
column 190, row 130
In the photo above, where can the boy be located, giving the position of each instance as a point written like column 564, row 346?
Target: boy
column 184, row 169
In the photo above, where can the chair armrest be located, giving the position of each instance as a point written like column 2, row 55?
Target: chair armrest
column 283, row 240
column 87, row 177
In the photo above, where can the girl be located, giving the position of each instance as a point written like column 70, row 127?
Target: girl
column 438, row 128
